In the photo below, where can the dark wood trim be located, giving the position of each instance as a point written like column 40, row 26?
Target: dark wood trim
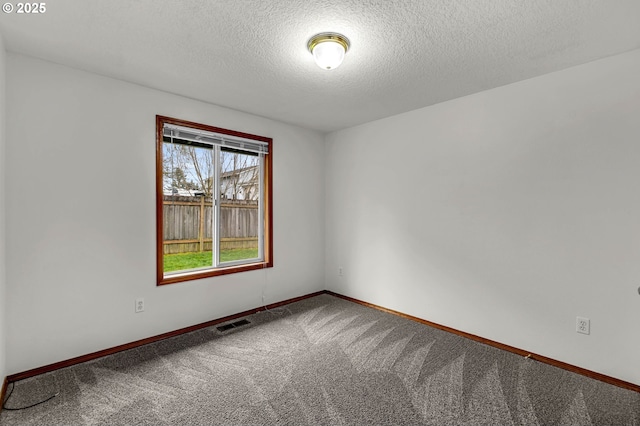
column 169, row 279
column 206, row 127
column 141, row 342
column 268, row 206
column 77, row 360
column 3, row 392
column 159, row 201
column 563, row 365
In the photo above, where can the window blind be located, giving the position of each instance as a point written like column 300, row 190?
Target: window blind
column 188, row 136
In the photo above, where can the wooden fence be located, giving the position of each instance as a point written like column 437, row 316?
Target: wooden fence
column 188, row 224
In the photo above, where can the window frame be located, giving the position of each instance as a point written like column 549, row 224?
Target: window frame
column 267, row 207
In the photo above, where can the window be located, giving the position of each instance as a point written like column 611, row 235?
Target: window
column 213, row 209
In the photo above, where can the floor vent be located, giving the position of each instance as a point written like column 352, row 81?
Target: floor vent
column 229, row 326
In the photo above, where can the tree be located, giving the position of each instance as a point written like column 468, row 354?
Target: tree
column 188, row 167
column 239, row 178
column 192, row 168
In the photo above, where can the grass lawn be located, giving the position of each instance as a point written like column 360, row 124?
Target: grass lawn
column 181, row 261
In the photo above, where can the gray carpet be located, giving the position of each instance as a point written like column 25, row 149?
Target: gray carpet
column 322, row 361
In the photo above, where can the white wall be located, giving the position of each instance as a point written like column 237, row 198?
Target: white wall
column 518, row 210
column 3, row 369
column 81, row 215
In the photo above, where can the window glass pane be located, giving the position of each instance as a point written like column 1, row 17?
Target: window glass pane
column 239, row 212
column 187, row 207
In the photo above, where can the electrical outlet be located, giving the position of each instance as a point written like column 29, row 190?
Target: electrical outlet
column 583, row 325
column 139, row 305
column 339, row 271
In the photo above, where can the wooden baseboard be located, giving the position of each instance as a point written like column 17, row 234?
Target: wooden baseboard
column 540, row 358
column 137, row 343
column 3, row 392
column 522, row 352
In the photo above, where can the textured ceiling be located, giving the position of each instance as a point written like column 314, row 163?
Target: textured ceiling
column 251, row 55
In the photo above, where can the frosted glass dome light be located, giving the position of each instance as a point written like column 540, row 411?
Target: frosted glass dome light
column 328, row 49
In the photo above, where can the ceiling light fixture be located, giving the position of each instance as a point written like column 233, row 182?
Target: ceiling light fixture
column 328, row 49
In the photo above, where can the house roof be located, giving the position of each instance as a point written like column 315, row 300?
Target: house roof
column 252, row 56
